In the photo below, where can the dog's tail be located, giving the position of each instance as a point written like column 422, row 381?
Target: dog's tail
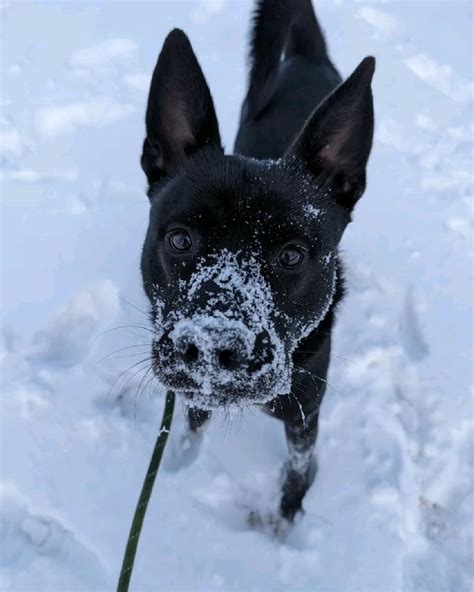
column 282, row 28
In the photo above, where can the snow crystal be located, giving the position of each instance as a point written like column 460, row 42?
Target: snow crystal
column 311, row 212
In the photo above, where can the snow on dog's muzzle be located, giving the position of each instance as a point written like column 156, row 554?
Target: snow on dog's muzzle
column 208, row 353
column 215, row 344
column 219, row 344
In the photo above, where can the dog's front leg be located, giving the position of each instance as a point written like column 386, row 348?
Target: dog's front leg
column 186, row 444
column 300, row 468
column 300, row 414
column 197, row 418
column 191, row 439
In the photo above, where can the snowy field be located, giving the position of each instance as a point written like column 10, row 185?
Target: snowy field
column 392, row 506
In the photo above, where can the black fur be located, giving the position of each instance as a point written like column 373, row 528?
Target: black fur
column 318, row 133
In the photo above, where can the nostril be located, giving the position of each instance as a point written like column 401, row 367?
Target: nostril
column 191, row 354
column 262, row 354
column 228, row 359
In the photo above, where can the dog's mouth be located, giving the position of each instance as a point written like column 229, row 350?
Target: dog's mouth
column 227, row 387
column 223, row 396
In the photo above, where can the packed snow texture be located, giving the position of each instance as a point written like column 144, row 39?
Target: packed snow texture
column 392, row 504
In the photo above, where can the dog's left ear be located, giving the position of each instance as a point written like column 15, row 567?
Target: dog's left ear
column 180, row 116
column 336, row 140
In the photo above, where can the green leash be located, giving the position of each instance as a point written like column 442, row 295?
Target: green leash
column 135, row 530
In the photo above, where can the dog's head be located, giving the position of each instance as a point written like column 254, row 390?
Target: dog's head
column 240, row 258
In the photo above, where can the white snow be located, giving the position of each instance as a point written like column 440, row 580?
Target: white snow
column 10, row 143
column 139, row 81
column 311, row 211
column 102, row 54
column 32, row 176
column 392, row 504
column 67, row 118
column 381, row 20
column 204, row 9
column 67, row 337
column 441, row 77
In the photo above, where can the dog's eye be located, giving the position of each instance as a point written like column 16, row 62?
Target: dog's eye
column 291, row 256
column 180, row 240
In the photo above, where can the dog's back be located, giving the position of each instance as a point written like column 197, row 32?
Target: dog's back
column 290, row 74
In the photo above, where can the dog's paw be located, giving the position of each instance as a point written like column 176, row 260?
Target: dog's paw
column 271, row 523
column 182, row 450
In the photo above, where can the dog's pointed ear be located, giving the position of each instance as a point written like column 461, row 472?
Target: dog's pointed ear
column 180, row 117
column 336, row 140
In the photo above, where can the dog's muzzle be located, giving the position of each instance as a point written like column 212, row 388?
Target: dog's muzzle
column 206, row 353
column 218, row 345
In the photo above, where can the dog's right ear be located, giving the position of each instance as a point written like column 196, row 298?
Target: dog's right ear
column 180, row 116
column 336, row 140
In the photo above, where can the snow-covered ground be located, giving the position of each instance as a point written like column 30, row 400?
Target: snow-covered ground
column 392, row 505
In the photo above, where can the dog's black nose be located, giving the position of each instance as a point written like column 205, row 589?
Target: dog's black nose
column 227, row 358
column 212, row 345
column 205, row 353
column 222, row 355
column 231, row 359
column 190, row 353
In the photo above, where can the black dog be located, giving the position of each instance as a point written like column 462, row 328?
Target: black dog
column 240, row 262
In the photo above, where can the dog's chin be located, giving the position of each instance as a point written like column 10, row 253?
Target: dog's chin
column 213, row 400
column 213, row 396
column 224, row 400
